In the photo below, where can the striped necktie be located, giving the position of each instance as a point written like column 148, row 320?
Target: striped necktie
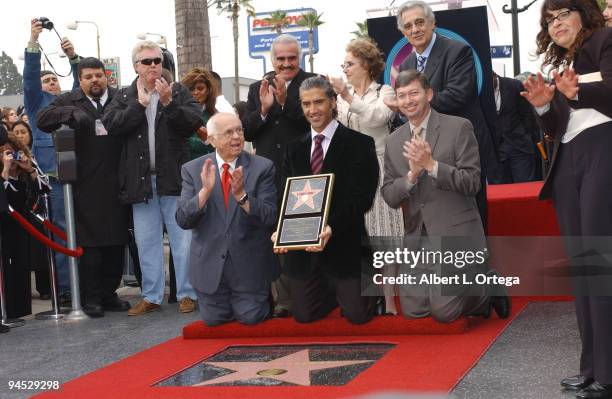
column 416, row 133
column 421, row 63
column 316, row 160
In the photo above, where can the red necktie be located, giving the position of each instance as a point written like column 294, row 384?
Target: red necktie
column 316, row 160
column 225, row 183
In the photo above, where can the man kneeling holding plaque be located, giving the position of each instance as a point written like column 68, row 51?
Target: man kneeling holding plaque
column 327, row 274
column 228, row 199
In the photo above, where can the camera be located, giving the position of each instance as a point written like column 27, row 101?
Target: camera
column 17, row 155
column 46, row 23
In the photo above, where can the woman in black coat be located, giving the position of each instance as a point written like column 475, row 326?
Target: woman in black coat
column 39, row 262
column 22, row 185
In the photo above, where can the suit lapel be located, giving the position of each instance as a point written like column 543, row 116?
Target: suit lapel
column 335, row 150
column 433, row 130
column 434, row 57
column 411, row 61
column 404, row 134
column 302, row 166
column 84, row 102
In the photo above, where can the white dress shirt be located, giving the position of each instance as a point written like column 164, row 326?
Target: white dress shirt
column 328, row 132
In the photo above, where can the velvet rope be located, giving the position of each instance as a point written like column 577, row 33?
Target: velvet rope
column 44, row 239
column 54, row 229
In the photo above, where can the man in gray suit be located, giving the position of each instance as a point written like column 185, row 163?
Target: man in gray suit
column 228, row 199
column 432, row 170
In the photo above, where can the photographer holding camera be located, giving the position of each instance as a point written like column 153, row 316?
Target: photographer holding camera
column 22, row 183
column 101, row 220
column 40, row 88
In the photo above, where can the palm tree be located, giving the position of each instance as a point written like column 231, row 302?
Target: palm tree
column 362, row 29
column 311, row 20
column 192, row 35
column 277, row 21
column 233, row 8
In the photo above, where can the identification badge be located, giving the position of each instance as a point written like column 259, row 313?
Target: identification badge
column 100, row 129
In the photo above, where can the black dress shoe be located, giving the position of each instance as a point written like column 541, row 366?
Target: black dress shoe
column 4, row 329
column 116, row 305
column 501, row 305
column 93, row 310
column 280, row 313
column 576, row 382
column 596, row 391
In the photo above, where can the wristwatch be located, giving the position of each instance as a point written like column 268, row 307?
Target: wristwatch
column 244, row 199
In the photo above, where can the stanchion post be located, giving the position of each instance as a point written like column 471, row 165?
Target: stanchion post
column 77, row 312
column 55, row 313
column 66, row 162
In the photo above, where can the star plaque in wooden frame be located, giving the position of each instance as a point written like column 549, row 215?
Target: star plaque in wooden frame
column 304, row 211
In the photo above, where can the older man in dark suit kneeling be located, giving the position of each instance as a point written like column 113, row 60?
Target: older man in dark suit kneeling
column 228, row 199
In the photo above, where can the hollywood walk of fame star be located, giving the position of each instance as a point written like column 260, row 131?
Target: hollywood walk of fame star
column 294, row 369
column 306, row 196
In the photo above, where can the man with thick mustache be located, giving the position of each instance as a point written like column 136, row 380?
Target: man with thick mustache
column 274, row 118
column 101, row 220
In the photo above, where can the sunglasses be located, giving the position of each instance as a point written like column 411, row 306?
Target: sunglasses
column 149, row 61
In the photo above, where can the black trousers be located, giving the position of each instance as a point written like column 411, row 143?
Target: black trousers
column 582, row 195
column 481, row 203
column 317, row 295
column 518, row 168
column 15, row 261
column 100, row 272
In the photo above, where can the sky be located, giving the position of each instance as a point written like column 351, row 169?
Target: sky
column 120, row 22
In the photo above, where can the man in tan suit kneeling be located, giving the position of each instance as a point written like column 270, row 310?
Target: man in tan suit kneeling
column 432, row 170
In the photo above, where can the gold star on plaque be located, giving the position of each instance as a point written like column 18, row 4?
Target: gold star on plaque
column 305, row 196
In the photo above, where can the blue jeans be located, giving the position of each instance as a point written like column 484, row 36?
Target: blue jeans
column 58, row 218
column 149, row 219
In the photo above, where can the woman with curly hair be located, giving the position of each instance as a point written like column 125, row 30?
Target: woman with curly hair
column 361, row 107
column 200, row 82
column 576, row 110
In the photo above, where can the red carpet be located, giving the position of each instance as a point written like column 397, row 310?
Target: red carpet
column 423, row 363
column 332, row 326
column 514, row 210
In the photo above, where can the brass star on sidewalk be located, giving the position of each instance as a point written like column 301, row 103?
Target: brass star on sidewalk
column 293, row 369
column 306, row 196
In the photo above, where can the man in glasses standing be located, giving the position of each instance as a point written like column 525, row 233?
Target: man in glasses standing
column 274, row 118
column 155, row 119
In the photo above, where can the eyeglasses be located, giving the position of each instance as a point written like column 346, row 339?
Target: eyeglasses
column 149, row 61
column 230, row 132
column 347, row 65
column 562, row 16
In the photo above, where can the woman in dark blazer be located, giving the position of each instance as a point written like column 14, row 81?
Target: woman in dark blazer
column 576, row 110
